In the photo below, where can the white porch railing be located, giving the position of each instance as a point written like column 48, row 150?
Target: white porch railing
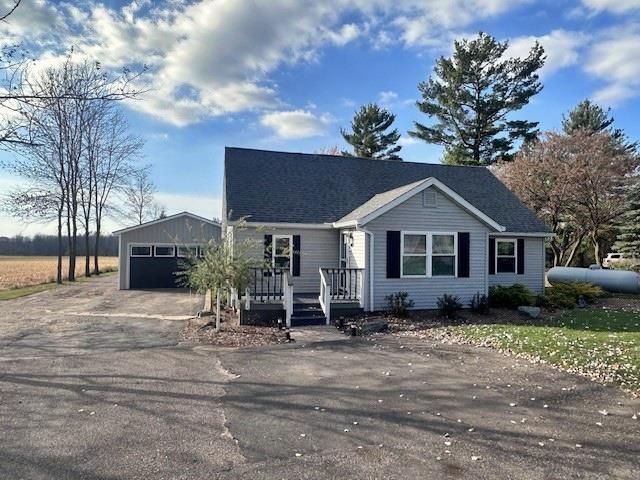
column 325, row 296
column 287, row 294
column 343, row 285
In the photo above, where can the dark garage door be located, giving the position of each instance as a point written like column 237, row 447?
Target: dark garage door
column 153, row 272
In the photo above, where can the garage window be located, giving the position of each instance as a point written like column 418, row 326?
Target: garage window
column 187, row 252
column 141, row 250
column 165, row 250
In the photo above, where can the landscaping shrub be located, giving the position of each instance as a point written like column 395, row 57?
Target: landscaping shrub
column 480, row 304
column 566, row 295
column 448, row 305
column 398, row 304
column 512, row 296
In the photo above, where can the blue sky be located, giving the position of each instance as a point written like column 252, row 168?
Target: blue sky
column 287, row 74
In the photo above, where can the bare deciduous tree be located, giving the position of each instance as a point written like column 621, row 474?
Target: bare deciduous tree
column 139, row 202
column 60, row 113
column 575, row 184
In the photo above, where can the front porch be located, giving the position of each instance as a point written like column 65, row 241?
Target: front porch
column 271, row 297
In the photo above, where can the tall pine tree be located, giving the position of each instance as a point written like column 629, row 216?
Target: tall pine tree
column 592, row 118
column 470, row 96
column 628, row 241
column 368, row 136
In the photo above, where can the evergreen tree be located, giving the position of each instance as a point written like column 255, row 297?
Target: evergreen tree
column 470, row 95
column 628, row 241
column 368, row 136
column 592, row 118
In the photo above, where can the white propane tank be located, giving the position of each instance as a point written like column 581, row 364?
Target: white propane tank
column 621, row 281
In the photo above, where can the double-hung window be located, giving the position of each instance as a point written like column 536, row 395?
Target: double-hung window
column 443, row 255
column 414, row 254
column 282, row 251
column 426, row 254
column 506, row 254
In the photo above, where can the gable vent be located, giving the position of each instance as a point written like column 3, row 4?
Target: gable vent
column 429, row 198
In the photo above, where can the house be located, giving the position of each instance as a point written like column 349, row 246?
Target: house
column 150, row 253
column 339, row 234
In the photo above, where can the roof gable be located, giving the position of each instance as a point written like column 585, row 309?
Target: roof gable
column 166, row 219
column 272, row 187
column 386, row 201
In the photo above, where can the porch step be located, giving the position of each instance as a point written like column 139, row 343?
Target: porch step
column 307, row 313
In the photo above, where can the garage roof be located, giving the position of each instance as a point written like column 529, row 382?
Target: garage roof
column 165, row 219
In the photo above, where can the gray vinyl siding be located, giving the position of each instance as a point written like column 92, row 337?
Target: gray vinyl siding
column 447, row 216
column 533, row 276
column 318, row 248
column 178, row 231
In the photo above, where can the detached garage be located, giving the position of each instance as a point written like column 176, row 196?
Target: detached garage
column 151, row 253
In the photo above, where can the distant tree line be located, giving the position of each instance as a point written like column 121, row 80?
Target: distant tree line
column 47, row 245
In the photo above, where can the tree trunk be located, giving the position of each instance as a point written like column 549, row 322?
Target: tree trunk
column 596, row 248
column 217, row 310
column 96, row 252
column 572, row 254
column 87, row 256
column 70, row 267
column 59, row 265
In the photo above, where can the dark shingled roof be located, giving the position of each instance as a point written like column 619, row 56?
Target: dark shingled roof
column 270, row 186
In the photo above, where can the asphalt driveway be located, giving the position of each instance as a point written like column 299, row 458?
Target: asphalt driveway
column 94, row 384
column 91, row 317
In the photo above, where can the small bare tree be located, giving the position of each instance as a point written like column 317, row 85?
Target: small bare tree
column 118, row 152
column 139, row 204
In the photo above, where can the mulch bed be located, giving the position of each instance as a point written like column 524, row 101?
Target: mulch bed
column 417, row 320
column 231, row 334
column 619, row 302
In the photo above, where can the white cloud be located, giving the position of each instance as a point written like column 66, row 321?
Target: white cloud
column 406, row 140
column 387, row 97
column 561, row 47
column 345, row 34
column 296, row 124
column 614, row 59
column 614, row 6
column 224, row 52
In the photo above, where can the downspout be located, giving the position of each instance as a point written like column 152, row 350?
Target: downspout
column 370, row 262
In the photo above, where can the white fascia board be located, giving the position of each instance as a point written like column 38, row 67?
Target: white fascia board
column 160, row 220
column 524, row 234
column 348, row 223
column 314, row 226
column 426, row 183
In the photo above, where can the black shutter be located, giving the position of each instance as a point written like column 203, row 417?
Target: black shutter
column 520, row 267
column 492, row 256
column 463, row 254
column 393, row 254
column 296, row 255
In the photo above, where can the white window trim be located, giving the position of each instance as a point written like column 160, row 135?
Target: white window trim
column 173, row 250
column 132, row 245
column 429, row 254
column 191, row 245
column 273, row 251
column 455, row 254
column 514, row 256
column 201, row 249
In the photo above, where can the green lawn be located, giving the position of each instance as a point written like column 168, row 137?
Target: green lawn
column 601, row 344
